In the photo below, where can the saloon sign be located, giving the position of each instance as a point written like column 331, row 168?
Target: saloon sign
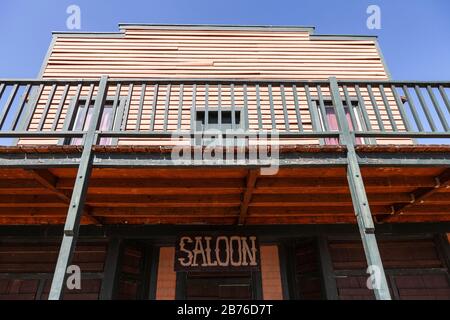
column 216, row 252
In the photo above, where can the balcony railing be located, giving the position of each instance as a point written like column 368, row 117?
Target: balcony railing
column 136, row 110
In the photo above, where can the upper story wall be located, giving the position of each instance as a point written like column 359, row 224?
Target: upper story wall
column 211, row 53
column 214, row 52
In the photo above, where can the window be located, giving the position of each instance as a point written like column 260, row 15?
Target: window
column 212, row 121
column 331, row 119
column 217, row 122
column 83, row 120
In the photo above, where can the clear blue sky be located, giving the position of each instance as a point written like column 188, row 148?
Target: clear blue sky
column 414, row 34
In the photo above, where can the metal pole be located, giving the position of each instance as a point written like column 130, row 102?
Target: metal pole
column 75, row 210
column 359, row 198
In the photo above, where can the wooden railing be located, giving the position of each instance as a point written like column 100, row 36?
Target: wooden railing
column 59, row 111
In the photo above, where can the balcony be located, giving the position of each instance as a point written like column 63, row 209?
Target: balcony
column 152, row 112
column 56, row 134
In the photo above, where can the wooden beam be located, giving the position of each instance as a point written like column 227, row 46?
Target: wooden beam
column 275, row 185
column 327, row 199
column 50, row 181
column 159, row 186
column 312, row 210
column 168, row 201
column 420, row 195
column 31, row 201
column 252, row 176
column 165, row 212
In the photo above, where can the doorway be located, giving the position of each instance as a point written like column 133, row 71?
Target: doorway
column 219, row 285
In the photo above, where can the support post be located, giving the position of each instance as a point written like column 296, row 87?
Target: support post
column 77, row 200
column 113, row 259
column 359, row 198
column 326, row 267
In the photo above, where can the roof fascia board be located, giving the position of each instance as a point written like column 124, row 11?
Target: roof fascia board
column 308, row 29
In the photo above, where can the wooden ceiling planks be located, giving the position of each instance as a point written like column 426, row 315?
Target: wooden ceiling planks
column 213, row 195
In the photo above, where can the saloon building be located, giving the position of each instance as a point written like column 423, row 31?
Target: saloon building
column 336, row 185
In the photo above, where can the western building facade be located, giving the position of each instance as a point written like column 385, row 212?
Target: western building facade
column 222, row 162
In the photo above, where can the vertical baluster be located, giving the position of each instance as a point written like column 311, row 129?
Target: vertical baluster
column 322, row 108
column 140, row 107
column 71, row 113
column 315, row 120
column 219, row 106
column 233, row 108
column 180, row 106
column 21, row 106
column 375, row 108
column 362, row 106
column 272, row 109
column 401, row 108
column 444, row 97
column 413, row 108
column 425, row 108
column 297, row 108
column 47, row 107
column 388, row 108
column 62, row 101
column 206, row 105
column 154, row 104
column 166, row 106
column 258, row 107
column 115, row 112
column 85, row 111
column 127, row 107
column 194, row 108
column 438, row 109
column 246, row 120
column 314, row 114
column 8, row 104
column 283, row 101
column 2, row 89
column 32, row 108
column 351, row 111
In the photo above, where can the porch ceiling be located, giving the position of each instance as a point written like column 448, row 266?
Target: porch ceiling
column 227, row 195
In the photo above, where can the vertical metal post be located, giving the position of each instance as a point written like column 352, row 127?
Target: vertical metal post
column 359, row 197
column 76, row 205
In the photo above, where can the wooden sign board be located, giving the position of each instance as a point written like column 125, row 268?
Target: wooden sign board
column 206, row 252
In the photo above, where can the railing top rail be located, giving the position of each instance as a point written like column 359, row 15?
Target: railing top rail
column 61, row 81
column 217, row 81
column 395, row 82
column 49, row 81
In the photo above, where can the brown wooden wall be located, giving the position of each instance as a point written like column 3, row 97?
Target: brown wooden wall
column 26, row 270
column 416, row 269
column 308, row 279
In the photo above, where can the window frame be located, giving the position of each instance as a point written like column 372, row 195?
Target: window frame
column 72, row 113
column 223, row 126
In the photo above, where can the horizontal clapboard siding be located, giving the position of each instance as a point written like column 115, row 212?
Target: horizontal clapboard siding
column 207, row 54
column 189, row 53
